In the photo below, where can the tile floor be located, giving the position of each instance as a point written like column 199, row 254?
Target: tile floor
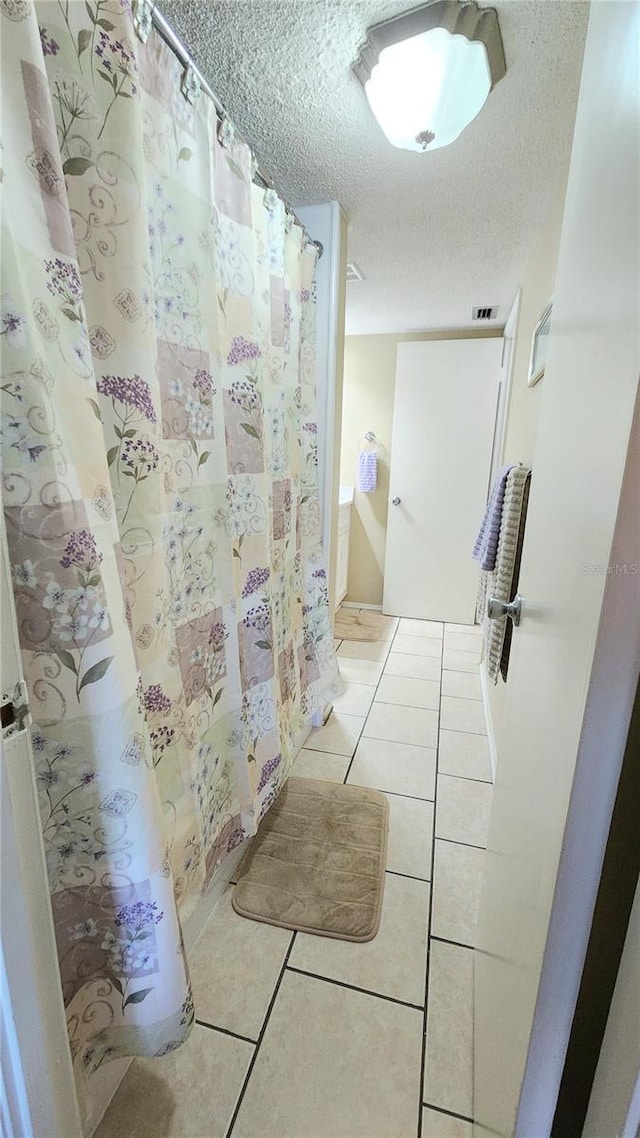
column 308, row 1037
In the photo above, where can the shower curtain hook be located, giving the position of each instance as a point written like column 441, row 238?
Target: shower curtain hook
column 142, row 19
column 190, row 85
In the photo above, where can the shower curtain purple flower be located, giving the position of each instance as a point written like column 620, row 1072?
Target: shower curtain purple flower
column 160, row 499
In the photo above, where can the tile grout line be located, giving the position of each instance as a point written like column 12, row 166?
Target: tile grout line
column 457, row 943
column 430, row 936
column 365, row 717
column 461, row 730
column 423, row 1060
column 424, row 1008
column 414, row 706
column 409, row 876
column 397, row 794
column 352, row 987
column 467, row 778
column 455, row 842
column 443, row 940
column 375, row 692
column 225, row 1031
column 449, row 1113
column 418, row 746
column 256, row 1050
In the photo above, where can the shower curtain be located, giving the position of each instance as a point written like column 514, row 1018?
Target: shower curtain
column 160, row 497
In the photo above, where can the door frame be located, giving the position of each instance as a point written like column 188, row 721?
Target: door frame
column 504, row 389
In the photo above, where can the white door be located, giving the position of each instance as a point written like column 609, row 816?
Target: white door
column 575, row 656
column 443, row 425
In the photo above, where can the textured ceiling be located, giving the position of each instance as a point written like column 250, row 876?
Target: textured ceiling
column 434, row 234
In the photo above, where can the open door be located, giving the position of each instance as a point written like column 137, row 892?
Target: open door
column 575, row 656
column 444, row 417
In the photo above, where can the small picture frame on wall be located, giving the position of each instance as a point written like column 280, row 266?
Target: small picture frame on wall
column 539, row 347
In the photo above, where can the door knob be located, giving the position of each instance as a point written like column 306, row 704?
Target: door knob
column 395, row 501
column 498, row 610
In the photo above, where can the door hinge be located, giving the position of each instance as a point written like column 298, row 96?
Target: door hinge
column 14, row 711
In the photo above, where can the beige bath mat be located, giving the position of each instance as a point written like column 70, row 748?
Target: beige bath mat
column 317, row 863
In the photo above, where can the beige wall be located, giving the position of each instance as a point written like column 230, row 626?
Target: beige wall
column 369, row 386
column 524, row 401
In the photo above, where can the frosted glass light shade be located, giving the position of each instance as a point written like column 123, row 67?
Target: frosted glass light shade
column 427, row 72
column 433, row 84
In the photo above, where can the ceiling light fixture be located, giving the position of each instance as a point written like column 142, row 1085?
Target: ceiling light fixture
column 428, row 73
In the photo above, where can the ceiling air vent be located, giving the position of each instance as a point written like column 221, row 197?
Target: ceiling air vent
column 354, row 273
column 489, row 312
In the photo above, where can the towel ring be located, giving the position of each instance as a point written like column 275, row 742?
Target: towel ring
column 368, row 437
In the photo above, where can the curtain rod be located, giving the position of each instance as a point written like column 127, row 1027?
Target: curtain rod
column 179, row 48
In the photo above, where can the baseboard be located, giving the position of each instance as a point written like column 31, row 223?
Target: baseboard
column 360, row 605
column 491, row 736
column 224, row 874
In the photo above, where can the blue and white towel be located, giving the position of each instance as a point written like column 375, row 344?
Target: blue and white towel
column 367, row 479
column 486, row 546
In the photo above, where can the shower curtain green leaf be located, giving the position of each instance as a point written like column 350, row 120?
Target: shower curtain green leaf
column 137, row 997
column 84, row 39
column 95, row 673
column 77, row 166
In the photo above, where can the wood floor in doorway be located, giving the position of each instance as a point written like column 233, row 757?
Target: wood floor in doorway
column 363, row 624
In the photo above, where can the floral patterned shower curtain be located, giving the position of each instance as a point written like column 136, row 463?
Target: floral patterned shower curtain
column 160, row 497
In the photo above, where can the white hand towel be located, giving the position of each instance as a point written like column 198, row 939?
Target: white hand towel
column 367, row 471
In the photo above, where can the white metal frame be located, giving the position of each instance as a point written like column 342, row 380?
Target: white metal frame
column 534, row 377
column 323, row 224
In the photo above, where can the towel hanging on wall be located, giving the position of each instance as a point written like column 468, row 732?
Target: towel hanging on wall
column 367, row 479
column 486, row 546
column 502, row 581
